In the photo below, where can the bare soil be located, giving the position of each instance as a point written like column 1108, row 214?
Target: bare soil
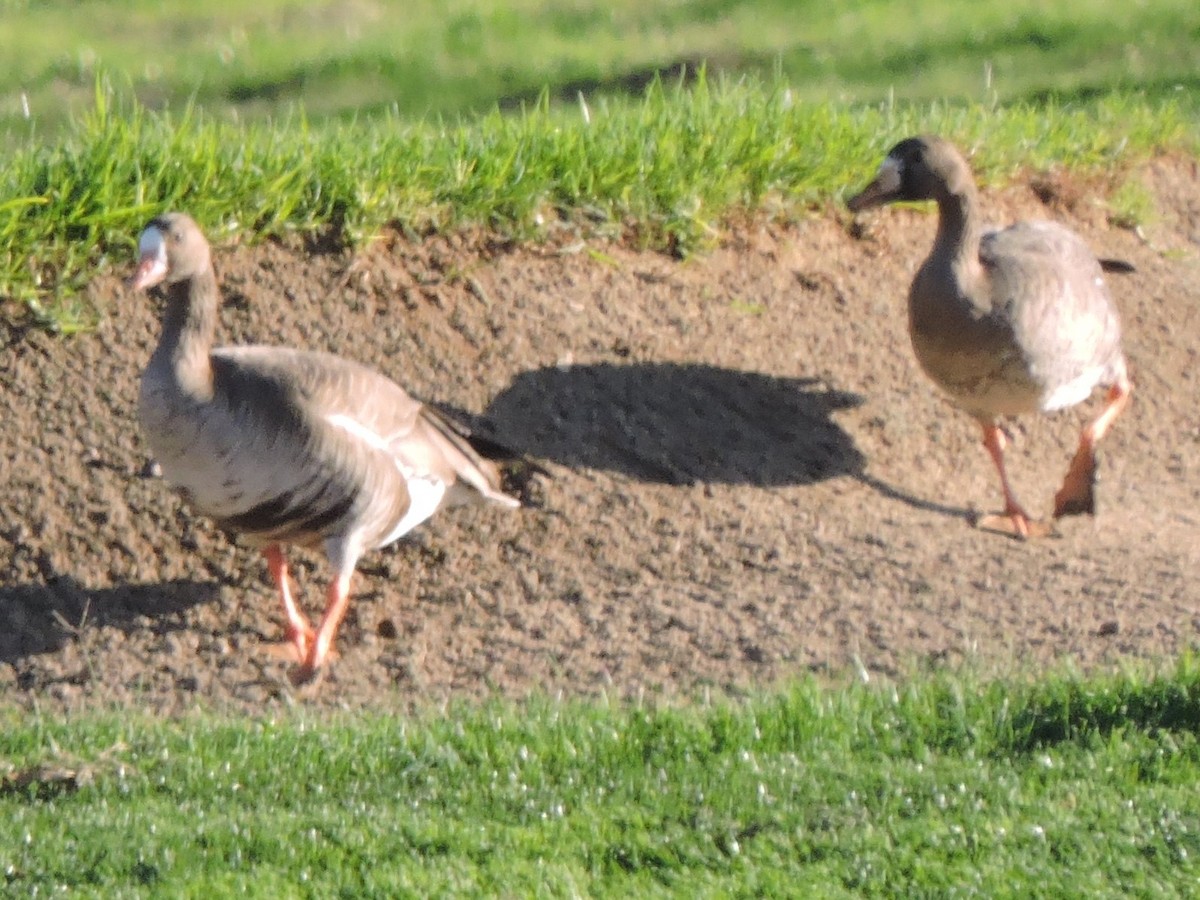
column 750, row 477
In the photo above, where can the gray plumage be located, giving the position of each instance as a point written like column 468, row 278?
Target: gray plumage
column 285, row 446
column 1005, row 322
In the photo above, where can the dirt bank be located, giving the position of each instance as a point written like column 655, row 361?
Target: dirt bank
column 751, row 478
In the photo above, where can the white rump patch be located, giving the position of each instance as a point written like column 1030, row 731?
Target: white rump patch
column 425, row 493
column 1074, row 391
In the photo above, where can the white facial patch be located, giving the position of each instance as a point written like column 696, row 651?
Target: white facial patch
column 152, row 245
column 890, row 170
column 152, row 259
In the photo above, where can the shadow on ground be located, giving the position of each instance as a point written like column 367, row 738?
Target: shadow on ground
column 38, row 618
column 678, row 423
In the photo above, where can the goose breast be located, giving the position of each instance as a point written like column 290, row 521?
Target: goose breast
column 283, row 450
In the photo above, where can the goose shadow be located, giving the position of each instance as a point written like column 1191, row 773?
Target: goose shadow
column 41, row 618
column 678, row 424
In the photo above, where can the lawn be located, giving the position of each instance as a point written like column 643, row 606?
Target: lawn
column 526, row 115
column 939, row 787
column 464, row 57
column 665, row 171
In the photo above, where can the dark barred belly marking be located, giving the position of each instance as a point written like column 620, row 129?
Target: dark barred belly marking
column 283, row 516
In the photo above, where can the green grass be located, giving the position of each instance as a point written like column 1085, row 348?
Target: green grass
column 1081, row 787
column 284, row 116
column 1131, row 205
column 433, row 57
column 665, row 171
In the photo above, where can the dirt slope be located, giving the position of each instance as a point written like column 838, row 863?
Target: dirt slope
column 751, row 479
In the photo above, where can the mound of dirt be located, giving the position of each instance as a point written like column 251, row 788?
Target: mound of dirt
column 750, row 477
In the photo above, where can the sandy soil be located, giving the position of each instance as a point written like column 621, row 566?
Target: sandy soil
column 750, row 477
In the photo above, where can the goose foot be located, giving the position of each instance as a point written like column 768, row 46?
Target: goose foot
column 309, row 671
column 1014, row 520
column 1078, row 492
column 1077, row 496
column 299, row 632
column 319, row 643
column 289, row 649
column 1014, row 523
column 304, row 674
column 301, row 638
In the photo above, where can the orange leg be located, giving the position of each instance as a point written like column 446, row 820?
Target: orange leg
column 1077, row 494
column 335, row 611
column 1015, row 519
column 299, row 632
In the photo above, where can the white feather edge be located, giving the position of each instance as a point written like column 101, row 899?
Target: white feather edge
column 425, row 493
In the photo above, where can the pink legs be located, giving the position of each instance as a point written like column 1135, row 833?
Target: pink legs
column 312, row 647
column 335, row 611
column 299, row 632
column 1076, row 494
column 1014, row 520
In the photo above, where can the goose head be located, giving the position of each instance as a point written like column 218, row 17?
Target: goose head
column 917, row 168
column 171, row 249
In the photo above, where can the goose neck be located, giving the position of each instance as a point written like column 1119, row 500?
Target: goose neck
column 959, row 231
column 189, row 324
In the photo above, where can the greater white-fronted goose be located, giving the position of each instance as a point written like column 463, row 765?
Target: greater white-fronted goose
column 286, row 446
column 1006, row 322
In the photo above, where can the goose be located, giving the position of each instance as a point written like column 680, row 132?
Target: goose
column 1007, row 322
column 289, row 447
